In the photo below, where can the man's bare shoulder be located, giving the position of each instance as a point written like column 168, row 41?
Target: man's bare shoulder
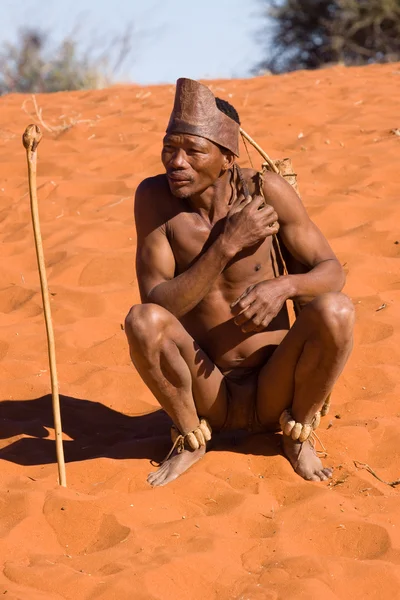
column 277, row 192
column 152, row 205
column 152, row 187
column 153, row 197
column 270, row 180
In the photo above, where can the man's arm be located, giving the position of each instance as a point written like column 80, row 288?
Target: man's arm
column 305, row 242
column 319, row 271
column 248, row 222
column 155, row 262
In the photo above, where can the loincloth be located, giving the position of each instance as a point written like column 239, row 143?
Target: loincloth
column 241, row 392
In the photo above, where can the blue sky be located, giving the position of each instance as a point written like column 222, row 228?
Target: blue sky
column 173, row 38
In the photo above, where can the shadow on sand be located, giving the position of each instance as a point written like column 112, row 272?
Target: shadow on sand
column 99, row 431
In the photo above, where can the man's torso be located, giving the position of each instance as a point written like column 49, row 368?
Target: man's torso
column 211, row 322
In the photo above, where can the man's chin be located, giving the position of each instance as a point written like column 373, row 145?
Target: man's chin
column 182, row 191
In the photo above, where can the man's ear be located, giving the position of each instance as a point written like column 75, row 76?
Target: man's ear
column 228, row 159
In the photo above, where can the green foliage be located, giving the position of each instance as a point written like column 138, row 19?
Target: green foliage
column 30, row 66
column 308, row 34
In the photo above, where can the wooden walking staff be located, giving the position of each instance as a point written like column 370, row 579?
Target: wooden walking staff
column 30, row 140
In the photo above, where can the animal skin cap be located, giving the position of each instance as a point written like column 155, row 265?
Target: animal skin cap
column 195, row 112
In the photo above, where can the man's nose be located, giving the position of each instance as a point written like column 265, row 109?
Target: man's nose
column 178, row 159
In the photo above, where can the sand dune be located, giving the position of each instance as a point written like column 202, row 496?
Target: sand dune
column 241, row 524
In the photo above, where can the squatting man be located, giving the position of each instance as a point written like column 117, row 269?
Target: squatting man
column 212, row 339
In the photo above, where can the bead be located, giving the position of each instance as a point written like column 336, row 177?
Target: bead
column 199, row 436
column 297, row 429
column 305, row 434
column 206, row 429
column 284, row 418
column 192, row 441
column 287, row 430
column 316, row 420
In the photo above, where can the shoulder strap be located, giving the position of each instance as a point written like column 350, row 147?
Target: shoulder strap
column 278, row 262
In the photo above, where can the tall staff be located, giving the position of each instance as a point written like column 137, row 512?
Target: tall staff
column 30, row 140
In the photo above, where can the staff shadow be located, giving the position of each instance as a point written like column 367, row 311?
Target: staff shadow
column 95, row 430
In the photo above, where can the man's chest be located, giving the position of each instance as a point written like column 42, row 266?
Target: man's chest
column 190, row 237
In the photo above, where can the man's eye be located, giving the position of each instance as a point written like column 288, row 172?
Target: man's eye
column 168, row 149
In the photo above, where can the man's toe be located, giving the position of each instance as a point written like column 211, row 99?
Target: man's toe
column 154, row 477
column 313, row 477
column 156, row 480
column 151, row 478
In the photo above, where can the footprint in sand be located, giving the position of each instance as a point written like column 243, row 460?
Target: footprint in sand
column 87, row 188
column 375, row 331
column 121, row 587
column 82, row 526
column 222, row 503
column 255, row 592
column 238, row 480
column 14, row 298
column 55, row 257
column 350, row 539
column 4, row 346
column 16, row 233
column 71, row 305
column 367, row 383
column 13, row 510
column 104, row 270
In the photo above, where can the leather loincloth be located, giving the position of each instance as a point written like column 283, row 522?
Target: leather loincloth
column 241, row 391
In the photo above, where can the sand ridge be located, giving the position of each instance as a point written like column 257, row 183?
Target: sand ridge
column 241, row 524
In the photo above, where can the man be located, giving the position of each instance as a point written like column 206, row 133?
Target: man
column 212, row 339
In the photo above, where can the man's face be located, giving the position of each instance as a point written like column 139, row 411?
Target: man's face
column 192, row 163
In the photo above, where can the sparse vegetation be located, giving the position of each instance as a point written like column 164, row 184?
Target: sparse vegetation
column 31, row 65
column 308, row 34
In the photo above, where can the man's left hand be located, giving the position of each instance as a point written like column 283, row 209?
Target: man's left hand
column 259, row 304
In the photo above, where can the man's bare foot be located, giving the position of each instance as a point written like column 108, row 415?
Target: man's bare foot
column 175, row 466
column 304, row 460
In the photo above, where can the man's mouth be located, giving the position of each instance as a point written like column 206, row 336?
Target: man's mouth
column 179, row 178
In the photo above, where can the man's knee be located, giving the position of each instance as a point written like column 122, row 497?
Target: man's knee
column 145, row 323
column 336, row 312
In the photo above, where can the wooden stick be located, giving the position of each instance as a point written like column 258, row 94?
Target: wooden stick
column 361, row 465
column 30, row 140
column 260, row 150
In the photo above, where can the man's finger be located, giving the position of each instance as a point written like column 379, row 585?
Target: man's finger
column 241, row 201
column 264, row 324
column 244, row 304
column 254, row 323
column 273, row 229
column 242, row 296
column 259, row 203
column 270, row 216
column 245, row 315
column 242, row 318
column 246, row 201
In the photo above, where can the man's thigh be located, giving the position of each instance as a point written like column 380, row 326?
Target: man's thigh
column 208, row 385
column 325, row 324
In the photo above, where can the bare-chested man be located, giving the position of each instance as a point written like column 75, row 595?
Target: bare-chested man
column 212, row 339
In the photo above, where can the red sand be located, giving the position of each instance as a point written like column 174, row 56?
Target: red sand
column 241, row 524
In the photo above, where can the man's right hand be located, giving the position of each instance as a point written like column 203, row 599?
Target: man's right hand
column 249, row 222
